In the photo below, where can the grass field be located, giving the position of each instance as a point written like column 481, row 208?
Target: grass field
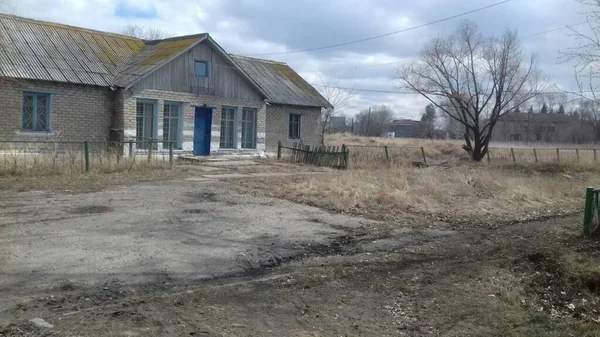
column 371, row 152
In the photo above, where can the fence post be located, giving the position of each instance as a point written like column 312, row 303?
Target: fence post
column 278, row 149
column 130, row 148
column 588, row 214
column 346, row 159
column 150, row 150
column 86, row 151
column 171, row 155
column 557, row 155
column 488, row 155
column 577, row 153
column 387, row 155
column 594, row 154
column 535, row 155
column 512, row 153
column 423, row 154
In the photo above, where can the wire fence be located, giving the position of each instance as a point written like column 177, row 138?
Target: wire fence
column 58, row 157
column 377, row 155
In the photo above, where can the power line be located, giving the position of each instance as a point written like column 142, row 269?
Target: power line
column 553, row 30
column 387, row 34
column 411, row 92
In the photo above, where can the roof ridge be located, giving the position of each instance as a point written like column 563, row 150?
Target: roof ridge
column 50, row 23
column 257, row 59
column 175, row 38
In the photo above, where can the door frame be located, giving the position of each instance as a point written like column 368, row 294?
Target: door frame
column 207, row 129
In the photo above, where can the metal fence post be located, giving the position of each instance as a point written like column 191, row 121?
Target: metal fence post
column 131, row 148
column 171, row 155
column 557, row 155
column 535, row 155
column 278, row 149
column 151, row 145
column 86, row 151
column 423, row 154
column 387, row 155
column 512, row 153
column 577, row 153
column 588, row 214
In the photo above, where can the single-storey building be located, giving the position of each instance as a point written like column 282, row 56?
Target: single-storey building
column 75, row 84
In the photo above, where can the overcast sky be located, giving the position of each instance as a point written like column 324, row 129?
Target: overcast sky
column 256, row 27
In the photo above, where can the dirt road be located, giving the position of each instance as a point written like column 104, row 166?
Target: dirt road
column 150, row 237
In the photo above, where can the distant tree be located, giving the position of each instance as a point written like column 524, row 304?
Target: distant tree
column 374, row 123
column 482, row 79
column 339, row 99
column 427, row 126
column 588, row 111
column 518, row 109
column 561, row 109
column 144, row 32
column 544, row 109
column 530, row 111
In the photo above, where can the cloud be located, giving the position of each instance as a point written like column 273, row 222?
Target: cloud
column 251, row 27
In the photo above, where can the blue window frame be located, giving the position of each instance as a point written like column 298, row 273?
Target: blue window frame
column 172, row 122
column 201, row 68
column 36, row 111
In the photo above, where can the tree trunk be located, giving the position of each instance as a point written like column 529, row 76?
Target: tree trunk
column 476, row 148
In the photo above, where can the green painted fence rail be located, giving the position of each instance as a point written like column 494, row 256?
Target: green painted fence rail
column 329, row 156
column 56, row 157
column 591, row 213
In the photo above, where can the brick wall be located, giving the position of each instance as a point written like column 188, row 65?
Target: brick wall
column 189, row 101
column 278, row 125
column 77, row 112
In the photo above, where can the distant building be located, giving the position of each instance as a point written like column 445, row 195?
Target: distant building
column 337, row 124
column 404, row 128
column 540, row 127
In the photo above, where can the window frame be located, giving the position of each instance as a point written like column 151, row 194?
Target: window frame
column 205, row 65
column 291, row 123
column 34, row 112
column 153, row 125
column 222, row 144
column 179, row 118
column 254, row 121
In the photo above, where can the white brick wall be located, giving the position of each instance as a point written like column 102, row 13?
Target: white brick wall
column 189, row 102
column 278, row 119
column 77, row 112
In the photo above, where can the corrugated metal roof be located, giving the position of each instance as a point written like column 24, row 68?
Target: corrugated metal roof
column 39, row 50
column 32, row 49
column 280, row 82
column 154, row 55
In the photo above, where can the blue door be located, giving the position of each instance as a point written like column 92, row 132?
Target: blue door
column 202, row 128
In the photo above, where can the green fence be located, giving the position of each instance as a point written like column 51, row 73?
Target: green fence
column 58, row 157
column 591, row 213
column 330, row 156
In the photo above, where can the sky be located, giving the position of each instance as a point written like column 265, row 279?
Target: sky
column 267, row 28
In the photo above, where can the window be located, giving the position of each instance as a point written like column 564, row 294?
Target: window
column 201, row 69
column 36, row 112
column 248, row 128
column 171, row 131
column 228, row 131
column 294, row 126
column 144, row 128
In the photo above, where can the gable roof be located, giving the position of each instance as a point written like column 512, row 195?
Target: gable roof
column 40, row 50
column 31, row 49
column 153, row 56
column 280, row 82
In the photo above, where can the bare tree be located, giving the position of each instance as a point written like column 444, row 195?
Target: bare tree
column 144, row 32
column 374, row 122
column 479, row 78
column 339, row 99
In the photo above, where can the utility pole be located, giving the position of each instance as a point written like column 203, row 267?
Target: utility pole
column 369, row 122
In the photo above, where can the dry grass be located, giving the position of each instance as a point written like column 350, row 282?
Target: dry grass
column 463, row 193
column 92, row 181
column 370, row 153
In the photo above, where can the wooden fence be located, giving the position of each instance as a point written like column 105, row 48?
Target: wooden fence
column 330, row 156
